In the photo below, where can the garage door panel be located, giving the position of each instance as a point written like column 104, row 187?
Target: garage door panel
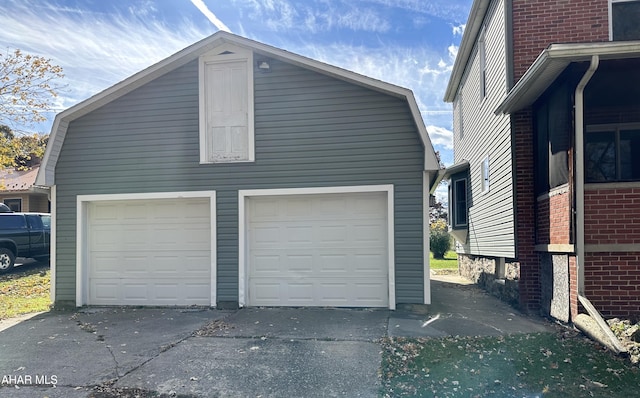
column 150, row 252
column 318, row 292
column 318, row 250
column 340, row 261
column 118, row 291
column 333, row 263
column 296, row 208
column 370, row 263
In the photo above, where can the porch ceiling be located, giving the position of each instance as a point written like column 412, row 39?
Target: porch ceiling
column 552, row 61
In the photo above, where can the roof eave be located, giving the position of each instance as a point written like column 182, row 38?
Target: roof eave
column 474, row 24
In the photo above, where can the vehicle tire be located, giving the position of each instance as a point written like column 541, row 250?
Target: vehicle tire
column 7, row 259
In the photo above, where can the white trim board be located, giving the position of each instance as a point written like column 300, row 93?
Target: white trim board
column 82, row 202
column 52, row 243
column 242, row 227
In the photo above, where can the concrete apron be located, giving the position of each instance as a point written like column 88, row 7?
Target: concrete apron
column 249, row 352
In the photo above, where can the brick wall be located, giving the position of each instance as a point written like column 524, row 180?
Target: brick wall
column 611, row 279
column 611, row 283
column 536, row 24
column 612, row 216
column 529, row 286
column 554, row 219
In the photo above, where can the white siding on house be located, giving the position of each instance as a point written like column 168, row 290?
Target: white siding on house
column 491, row 213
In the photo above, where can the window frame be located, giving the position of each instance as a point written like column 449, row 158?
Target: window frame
column 616, row 129
column 454, row 214
column 485, row 175
column 611, row 3
column 482, row 55
column 224, row 54
column 14, row 200
column 457, row 107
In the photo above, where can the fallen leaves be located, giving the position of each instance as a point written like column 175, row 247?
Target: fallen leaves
column 517, row 365
column 25, row 291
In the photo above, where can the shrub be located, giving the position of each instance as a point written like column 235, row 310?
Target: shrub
column 439, row 239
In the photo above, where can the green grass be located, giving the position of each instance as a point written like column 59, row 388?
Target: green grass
column 450, row 261
column 525, row 365
column 24, row 290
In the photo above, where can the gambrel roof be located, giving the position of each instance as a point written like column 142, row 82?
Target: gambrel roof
column 46, row 175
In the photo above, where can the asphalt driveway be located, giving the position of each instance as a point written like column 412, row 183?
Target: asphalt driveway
column 263, row 352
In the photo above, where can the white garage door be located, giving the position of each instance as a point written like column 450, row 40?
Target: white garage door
column 318, row 250
column 149, row 252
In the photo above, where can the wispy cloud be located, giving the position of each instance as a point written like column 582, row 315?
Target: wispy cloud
column 314, row 16
column 458, row 30
column 202, row 7
column 366, row 20
column 95, row 49
column 454, row 10
column 440, row 136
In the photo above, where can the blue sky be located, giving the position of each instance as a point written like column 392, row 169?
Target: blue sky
column 411, row 43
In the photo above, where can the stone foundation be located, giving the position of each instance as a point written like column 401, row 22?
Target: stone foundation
column 482, row 271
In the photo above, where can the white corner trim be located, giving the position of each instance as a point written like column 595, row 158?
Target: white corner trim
column 82, row 204
column 242, row 227
column 242, row 249
column 425, row 239
column 52, row 244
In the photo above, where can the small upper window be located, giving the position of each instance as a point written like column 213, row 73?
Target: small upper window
column 482, row 50
column 609, row 153
column 457, row 115
column 14, row 204
column 623, row 19
column 226, row 106
column 484, row 170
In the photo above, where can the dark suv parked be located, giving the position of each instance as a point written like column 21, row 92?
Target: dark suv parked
column 24, row 235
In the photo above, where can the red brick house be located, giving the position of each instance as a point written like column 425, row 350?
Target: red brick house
column 545, row 189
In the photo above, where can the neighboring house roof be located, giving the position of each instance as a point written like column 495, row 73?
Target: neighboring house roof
column 471, row 30
column 552, row 61
column 61, row 123
column 12, row 180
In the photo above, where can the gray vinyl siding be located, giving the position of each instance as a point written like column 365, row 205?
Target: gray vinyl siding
column 491, row 214
column 311, row 130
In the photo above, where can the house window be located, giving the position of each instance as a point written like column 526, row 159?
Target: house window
column 623, row 19
column 226, row 106
column 457, row 114
column 484, row 170
column 14, row 204
column 482, row 50
column 609, row 153
column 458, row 203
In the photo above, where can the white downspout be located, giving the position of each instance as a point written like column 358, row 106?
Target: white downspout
column 579, row 151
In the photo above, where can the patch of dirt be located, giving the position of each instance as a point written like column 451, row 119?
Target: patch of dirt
column 107, row 390
column 446, row 271
column 629, row 335
column 212, row 328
